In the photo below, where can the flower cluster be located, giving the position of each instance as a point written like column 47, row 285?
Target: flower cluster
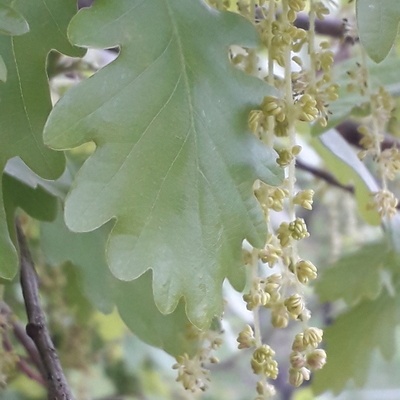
column 381, row 106
column 262, row 362
column 305, row 356
column 303, row 96
column 192, row 372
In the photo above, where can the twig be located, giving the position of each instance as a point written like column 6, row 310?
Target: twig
column 325, row 176
column 333, row 27
column 36, row 328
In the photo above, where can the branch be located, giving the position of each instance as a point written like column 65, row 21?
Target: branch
column 36, row 328
column 333, row 27
column 325, row 176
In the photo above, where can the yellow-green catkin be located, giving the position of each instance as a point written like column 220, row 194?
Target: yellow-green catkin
column 303, row 95
column 372, row 131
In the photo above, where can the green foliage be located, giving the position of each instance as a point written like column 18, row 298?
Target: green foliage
column 37, row 202
column 26, row 100
column 137, row 309
column 355, row 334
column 357, row 276
column 174, row 165
column 368, row 281
column 86, row 252
column 134, row 300
column 377, row 22
column 12, row 23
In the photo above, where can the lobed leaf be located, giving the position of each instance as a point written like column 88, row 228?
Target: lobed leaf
column 378, row 22
column 174, row 164
column 84, row 258
column 25, row 99
column 136, row 306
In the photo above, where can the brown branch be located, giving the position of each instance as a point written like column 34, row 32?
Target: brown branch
column 333, row 27
column 36, row 328
column 325, row 176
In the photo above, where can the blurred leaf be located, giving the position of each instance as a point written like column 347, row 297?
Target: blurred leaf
column 3, row 70
column 175, row 163
column 59, row 188
column 37, row 202
column 75, row 296
column 352, row 338
column 25, row 99
column 86, row 252
column 25, row 389
column 12, row 22
column 349, row 103
column 354, row 277
column 109, row 327
column 94, row 380
column 377, row 22
column 343, row 163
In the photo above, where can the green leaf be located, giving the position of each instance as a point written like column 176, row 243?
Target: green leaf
column 86, row 252
column 136, row 306
column 352, row 338
column 354, row 277
column 25, row 99
column 385, row 74
column 37, row 202
column 175, row 163
column 59, row 188
column 75, row 296
column 12, row 22
column 134, row 299
column 377, row 22
column 343, row 163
